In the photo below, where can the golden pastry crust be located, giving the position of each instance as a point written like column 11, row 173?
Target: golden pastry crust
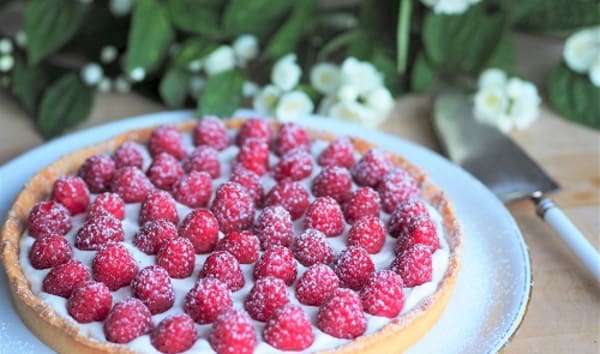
column 63, row 336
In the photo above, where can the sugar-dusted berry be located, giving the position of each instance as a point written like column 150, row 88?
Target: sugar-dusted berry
column 232, row 332
column 316, row 284
column 50, row 251
column 164, row 171
column 367, row 232
column 274, row 227
column 212, row 132
column 339, row 152
column 233, row 207
column 98, row 231
column 127, row 320
column 290, row 195
column 243, row 245
column 295, row 164
column 90, row 301
column 131, row 184
column 397, row 187
column 414, row 265
column 206, row 299
column 166, row 139
column 158, row 205
column 363, row 202
column 47, row 218
column 289, row 329
column 72, row 192
column 153, row 234
column 325, row 215
column 250, row 181
column 291, row 136
column 194, row 189
column 174, row 334
column 114, row 266
column 333, row 181
column 202, row 228
column 62, row 279
column 342, row 315
column 203, row 158
column 371, row 168
column 108, row 202
column 97, row 172
column 266, row 296
column 254, row 155
column 277, row 261
column 254, row 128
column 311, row 247
column 177, row 257
column 382, row 294
column 128, row 155
column 153, row 286
column 222, row 265
column 354, row 267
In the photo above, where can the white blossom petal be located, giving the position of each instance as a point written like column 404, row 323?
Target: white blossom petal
column 354, row 112
column 362, row 75
column 595, row 71
column 286, row 73
column 347, row 93
column 490, row 104
column 220, row 60
column 381, row 101
column 293, row 105
column 249, row 89
column 265, row 99
column 245, row 47
column 91, row 74
column 493, row 77
column 120, row 7
column 581, row 48
column 325, row 78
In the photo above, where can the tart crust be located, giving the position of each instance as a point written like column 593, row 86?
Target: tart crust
column 64, row 337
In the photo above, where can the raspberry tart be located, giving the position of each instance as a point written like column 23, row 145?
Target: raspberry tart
column 234, row 236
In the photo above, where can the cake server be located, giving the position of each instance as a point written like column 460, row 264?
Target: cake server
column 504, row 168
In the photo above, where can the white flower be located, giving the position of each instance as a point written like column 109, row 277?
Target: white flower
column 354, row 112
column 523, row 113
column 286, row 73
column 122, row 85
column 361, row 75
column 381, row 101
column 221, row 59
column 195, row 86
column 595, row 71
column 581, row 48
column 265, row 99
column 108, row 54
column 249, row 88
column 6, row 46
column 347, row 93
column 325, row 77
column 194, row 65
column 293, row 105
column 518, row 89
column 105, row 85
column 91, row 74
column 21, row 39
column 137, row 74
column 246, row 47
column 490, row 103
column 6, row 63
column 492, row 77
column 449, row 7
column 120, row 7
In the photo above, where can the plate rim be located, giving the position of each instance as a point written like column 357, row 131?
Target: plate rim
column 153, row 119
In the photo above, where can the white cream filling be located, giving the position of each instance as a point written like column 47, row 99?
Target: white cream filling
column 412, row 296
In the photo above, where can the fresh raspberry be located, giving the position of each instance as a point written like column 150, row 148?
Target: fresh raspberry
column 110, row 203
column 289, row 329
column 174, row 334
column 90, row 301
column 266, row 296
column 290, row 195
column 295, row 164
column 47, row 218
column 206, row 299
column 158, row 205
column 212, row 132
column 250, row 181
column 177, row 257
column 166, row 139
column 274, row 227
column 222, row 265
column 371, row 168
column 114, row 266
column 382, row 294
column 419, row 230
column 291, row 136
column 397, row 187
column 153, row 286
column 334, row 182
column 232, row 332
column 128, row 155
column 62, row 279
column 243, row 245
column 127, row 320
column 97, row 172
column 193, row 190
column 363, row 202
column 164, row 171
column 254, row 156
column 99, row 230
column 202, row 228
column 277, row 261
column 233, row 207
column 311, row 247
column 153, row 235
column 72, row 192
column 341, row 315
column 254, row 128
column 316, row 284
column 414, row 265
column 339, row 152
column 354, row 267
column 131, row 184
column 50, row 251
column 369, row 233
column 205, row 159
column 403, row 214
column 325, row 215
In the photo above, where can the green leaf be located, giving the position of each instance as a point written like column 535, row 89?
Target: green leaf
column 149, row 37
column 287, row 38
column 554, row 16
column 462, row 43
column 222, row 94
column 28, row 83
column 66, row 103
column 196, row 16
column 574, row 96
column 49, row 25
column 173, row 88
column 423, row 74
column 194, row 48
column 503, row 56
column 258, row 17
column 403, row 35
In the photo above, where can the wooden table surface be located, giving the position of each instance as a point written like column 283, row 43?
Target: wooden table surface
column 564, row 312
